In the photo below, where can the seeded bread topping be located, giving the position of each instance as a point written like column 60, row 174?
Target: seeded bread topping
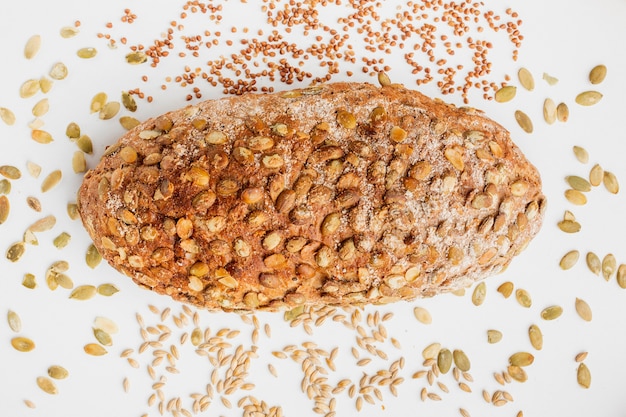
column 344, row 193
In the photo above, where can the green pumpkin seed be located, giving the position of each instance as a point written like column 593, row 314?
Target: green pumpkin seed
column 7, row 116
column 588, row 98
column 479, row 294
column 87, row 53
column 506, row 93
column 129, row 101
column 526, row 79
column 549, row 111
column 575, row 197
column 583, row 376
column 569, row 226
column 97, row 102
column 535, row 336
column 79, row 163
column 57, row 372
column 22, row 344
column 293, row 313
column 578, row 183
column 569, row 259
column 85, row 144
column 45, row 84
column 583, row 309
column 597, row 74
column 521, row 359
column 15, row 323
column 94, row 349
column 83, row 292
column 62, row 240
column 524, row 121
column 610, row 182
column 72, row 211
column 51, row 180
column 102, row 337
column 523, row 298
column 109, row 110
column 29, row 88
column 47, row 385
column 72, row 131
column 593, row 263
column 107, row 290
column 92, row 257
column 63, row 280
column 383, row 79
column 15, row 251
column 128, row 122
column 136, row 58
column 581, row 154
column 29, row 281
column 494, row 336
column 461, row 360
column 58, row 71
column 609, row 266
column 551, row 313
column 5, row 186
column 621, row 275
column 444, row 360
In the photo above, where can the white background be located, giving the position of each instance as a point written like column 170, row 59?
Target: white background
column 563, row 38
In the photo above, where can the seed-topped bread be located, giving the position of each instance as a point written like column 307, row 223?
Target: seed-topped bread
column 344, row 193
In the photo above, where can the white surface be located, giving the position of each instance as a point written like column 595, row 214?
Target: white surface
column 563, row 38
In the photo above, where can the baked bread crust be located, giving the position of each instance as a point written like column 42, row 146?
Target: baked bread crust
column 343, row 193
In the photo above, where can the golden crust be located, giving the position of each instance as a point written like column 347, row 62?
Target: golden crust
column 342, row 194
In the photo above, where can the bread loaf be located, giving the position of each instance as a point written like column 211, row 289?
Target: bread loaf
column 344, row 194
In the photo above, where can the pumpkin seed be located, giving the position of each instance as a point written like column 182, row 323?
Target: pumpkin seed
column 29, row 88
column 517, row 373
column 523, row 298
column 581, row 357
column 85, row 144
column 29, row 281
column 575, row 197
column 94, row 349
column 569, row 226
column 551, row 313
column 535, row 336
column 444, row 360
column 15, row 323
column 109, row 110
column 102, row 337
column 30, row 238
column 33, row 44
column 44, row 224
column 506, row 93
column 550, row 79
column 51, row 180
column 506, row 289
column 63, row 280
column 593, row 263
column 422, row 315
column 562, row 112
column 92, row 257
column 524, row 121
column 62, row 240
column 610, row 182
column 128, row 122
column 568, row 215
column 72, row 211
column 87, row 53
column 41, row 107
column 57, row 372
column 97, row 102
column 569, row 259
column 383, row 79
column 51, row 281
column 5, row 208
column 597, row 74
column 45, row 84
column 15, row 251
column 5, row 186
column 105, row 324
column 58, row 71
column 596, row 175
column 583, row 375
column 521, row 359
column 41, row 136
column 7, row 116
column 47, row 385
column 621, row 275
column 135, row 58
column 10, row 172
column 588, row 98
column 83, row 292
column 107, row 290
column 431, row 351
column 609, row 265
column 549, row 111
column 79, row 163
column 494, row 336
column 526, row 79
column 129, row 101
column 461, row 360
column 583, row 309
column 67, row 32
column 72, row 131
column 479, row 294
column 22, row 344
column 578, row 183
column 581, row 154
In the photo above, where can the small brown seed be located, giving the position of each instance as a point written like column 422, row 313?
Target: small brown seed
column 588, row 98
column 583, row 309
column 535, row 336
column 526, row 79
column 524, row 121
column 581, row 154
column 593, row 263
column 552, row 312
column 562, row 112
column 610, row 182
column 506, row 93
column 597, row 74
column 583, row 375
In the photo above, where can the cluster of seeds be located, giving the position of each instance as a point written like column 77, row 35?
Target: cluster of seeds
column 427, row 34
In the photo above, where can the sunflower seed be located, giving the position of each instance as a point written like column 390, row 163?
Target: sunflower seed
column 583, row 376
column 47, row 385
column 128, row 122
column 135, row 58
column 7, row 116
column 444, row 360
column 33, row 44
column 550, row 79
column 535, row 336
column 581, row 154
column 105, row 324
column 578, row 183
column 129, row 101
column 494, row 336
column 551, row 313
column 575, row 197
column 461, row 360
column 102, row 337
column 593, row 263
column 29, row 88
column 67, row 32
column 569, row 259
column 422, row 315
column 107, row 290
column 523, row 298
column 58, row 71
column 97, row 102
column 609, row 265
column 517, row 373
column 83, row 292
column 588, row 98
column 87, row 53
column 549, row 111
column 526, row 79
column 22, row 344
column 94, row 349
column 15, row 251
column 29, row 281
column 5, row 208
column 506, row 93
column 506, row 289
column 621, row 275
column 479, row 294
column 521, row 359
column 15, row 323
column 569, row 226
column 51, row 180
column 92, row 257
column 581, row 357
column 10, row 172
column 597, row 74
column 562, row 112
column 57, row 372
column 610, row 182
column 109, row 110
column 583, row 309
column 524, row 121
column 62, row 240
